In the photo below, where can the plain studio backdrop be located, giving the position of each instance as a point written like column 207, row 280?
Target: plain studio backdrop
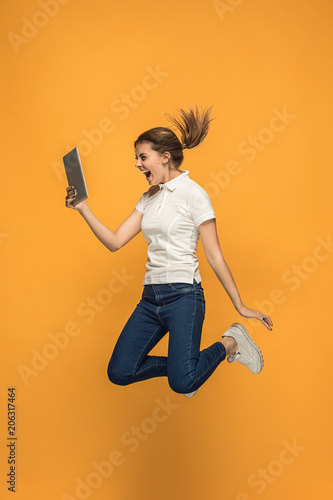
column 96, row 75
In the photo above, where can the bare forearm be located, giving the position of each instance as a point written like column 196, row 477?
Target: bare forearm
column 103, row 233
column 216, row 260
column 223, row 273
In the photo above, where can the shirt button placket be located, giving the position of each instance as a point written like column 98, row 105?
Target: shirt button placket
column 161, row 200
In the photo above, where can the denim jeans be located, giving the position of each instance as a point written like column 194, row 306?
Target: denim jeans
column 177, row 308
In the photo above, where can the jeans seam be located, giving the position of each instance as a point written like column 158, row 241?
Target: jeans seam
column 191, row 337
column 163, row 302
column 216, row 363
column 148, row 369
column 137, row 360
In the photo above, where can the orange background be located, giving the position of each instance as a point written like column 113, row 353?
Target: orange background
column 69, row 75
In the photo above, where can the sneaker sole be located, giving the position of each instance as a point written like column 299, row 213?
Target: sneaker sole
column 254, row 345
column 190, row 394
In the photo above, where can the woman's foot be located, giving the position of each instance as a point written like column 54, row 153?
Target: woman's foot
column 246, row 352
column 240, row 347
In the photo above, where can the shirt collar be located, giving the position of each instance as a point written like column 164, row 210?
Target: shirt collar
column 177, row 181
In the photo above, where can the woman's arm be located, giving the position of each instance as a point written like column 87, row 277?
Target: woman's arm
column 216, row 260
column 113, row 240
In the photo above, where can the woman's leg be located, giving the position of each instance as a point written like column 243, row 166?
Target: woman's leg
column 188, row 367
column 130, row 362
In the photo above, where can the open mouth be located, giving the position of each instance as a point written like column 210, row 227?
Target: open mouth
column 146, row 173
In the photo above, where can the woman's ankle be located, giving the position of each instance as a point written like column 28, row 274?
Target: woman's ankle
column 230, row 345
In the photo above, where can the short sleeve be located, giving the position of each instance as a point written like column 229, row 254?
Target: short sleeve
column 139, row 205
column 200, row 207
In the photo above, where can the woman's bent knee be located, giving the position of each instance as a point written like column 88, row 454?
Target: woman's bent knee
column 117, row 375
column 182, row 386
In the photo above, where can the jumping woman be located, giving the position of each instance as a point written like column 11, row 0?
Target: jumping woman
column 172, row 215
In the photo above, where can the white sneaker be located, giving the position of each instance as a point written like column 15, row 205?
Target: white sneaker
column 190, row 394
column 248, row 353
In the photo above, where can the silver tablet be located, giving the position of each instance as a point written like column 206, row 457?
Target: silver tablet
column 75, row 175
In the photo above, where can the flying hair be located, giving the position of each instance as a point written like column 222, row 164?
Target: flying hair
column 193, row 126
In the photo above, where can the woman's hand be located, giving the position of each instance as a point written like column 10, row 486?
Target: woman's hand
column 251, row 313
column 70, row 198
column 216, row 260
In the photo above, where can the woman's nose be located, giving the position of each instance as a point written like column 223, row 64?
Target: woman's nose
column 138, row 164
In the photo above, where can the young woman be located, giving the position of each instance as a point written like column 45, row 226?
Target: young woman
column 173, row 214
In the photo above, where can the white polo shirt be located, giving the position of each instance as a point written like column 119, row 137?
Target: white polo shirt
column 172, row 213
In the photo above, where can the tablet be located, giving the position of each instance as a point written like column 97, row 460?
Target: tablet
column 75, row 175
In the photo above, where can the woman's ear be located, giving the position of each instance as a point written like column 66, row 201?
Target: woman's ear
column 166, row 157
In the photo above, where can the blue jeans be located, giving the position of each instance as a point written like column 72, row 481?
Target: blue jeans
column 177, row 308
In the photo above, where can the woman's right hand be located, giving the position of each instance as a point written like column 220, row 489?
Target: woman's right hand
column 70, row 198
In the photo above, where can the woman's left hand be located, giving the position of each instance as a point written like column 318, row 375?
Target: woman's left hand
column 251, row 313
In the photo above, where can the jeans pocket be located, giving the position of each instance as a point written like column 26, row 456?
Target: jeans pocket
column 182, row 287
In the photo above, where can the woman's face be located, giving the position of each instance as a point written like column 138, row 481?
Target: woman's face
column 151, row 164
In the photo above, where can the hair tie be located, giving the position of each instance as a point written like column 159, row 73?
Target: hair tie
column 184, row 145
